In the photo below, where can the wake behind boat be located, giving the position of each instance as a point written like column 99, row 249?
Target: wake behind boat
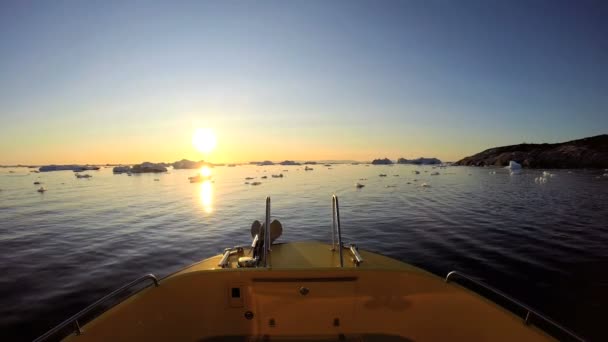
column 308, row 291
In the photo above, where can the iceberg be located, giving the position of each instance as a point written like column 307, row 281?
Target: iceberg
column 513, row 165
column 77, row 168
column 147, row 167
column 121, row 169
column 188, row 164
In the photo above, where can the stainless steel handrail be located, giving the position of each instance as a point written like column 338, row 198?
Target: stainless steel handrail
column 336, row 218
column 74, row 319
column 529, row 310
column 267, row 233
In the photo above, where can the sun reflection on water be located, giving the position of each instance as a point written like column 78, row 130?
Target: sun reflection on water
column 206, row 196
column 205, row 171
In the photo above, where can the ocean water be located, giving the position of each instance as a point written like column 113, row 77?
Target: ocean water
column 545, row 244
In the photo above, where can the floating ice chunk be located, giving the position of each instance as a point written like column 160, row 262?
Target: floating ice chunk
column 548, row 174
column 424, row 185
column 513, row 165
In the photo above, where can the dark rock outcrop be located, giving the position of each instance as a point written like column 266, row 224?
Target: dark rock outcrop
column 384, row 161
column 589, row 152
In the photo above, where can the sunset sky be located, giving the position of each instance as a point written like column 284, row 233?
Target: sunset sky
column 130, row 81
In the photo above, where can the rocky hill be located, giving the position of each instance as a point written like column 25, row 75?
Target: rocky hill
column 589, row 152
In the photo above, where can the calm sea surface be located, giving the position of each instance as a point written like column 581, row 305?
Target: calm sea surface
column 546, row 244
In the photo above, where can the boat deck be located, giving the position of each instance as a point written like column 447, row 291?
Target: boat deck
column 305, row 296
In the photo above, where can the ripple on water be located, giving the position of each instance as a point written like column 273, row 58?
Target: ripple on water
column 63, row 249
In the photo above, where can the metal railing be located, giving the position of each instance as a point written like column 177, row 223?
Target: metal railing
column 529, row 311
column 74, row 319
column 267, row 233
column 335, row 208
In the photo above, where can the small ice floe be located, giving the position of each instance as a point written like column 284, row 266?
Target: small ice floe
column 416, row 172
column 435, row 173
column 359, row 185
column 605, row 175
column 548, row 174
column 306, row 168
column 248, row 178
column 513, row 165
column 83, row 176
column 544, row 177
column 424, row 185
column 264, row 177
column 41, row 189
column 256, row 183
column 382, row 175
column 280, row 175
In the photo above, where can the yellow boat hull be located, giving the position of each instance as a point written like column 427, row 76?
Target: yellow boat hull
column 305, row 296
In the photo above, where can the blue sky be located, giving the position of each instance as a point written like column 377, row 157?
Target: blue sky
column 126, row 81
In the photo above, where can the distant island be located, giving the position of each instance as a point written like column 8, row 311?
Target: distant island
column 384, row 161
column 419, row 161
column 589, row 152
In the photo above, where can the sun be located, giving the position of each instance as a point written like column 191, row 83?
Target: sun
column 204, row 140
